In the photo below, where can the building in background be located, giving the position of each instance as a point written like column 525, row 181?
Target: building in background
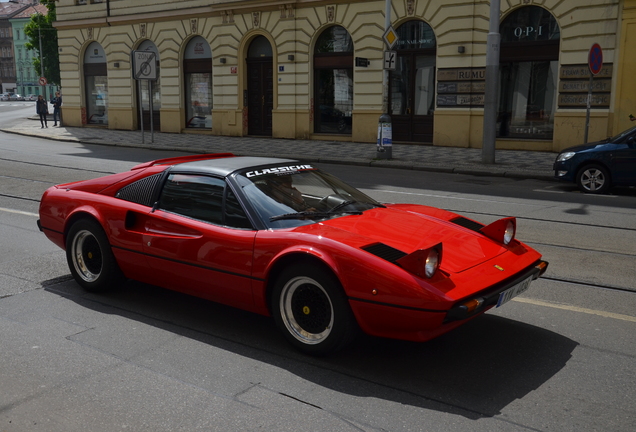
column 27, row 77
column 313, row 70
column 17, row 74
column 7, row 61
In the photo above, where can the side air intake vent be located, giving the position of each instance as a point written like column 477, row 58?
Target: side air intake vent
column 467, row 223
column 385, row 252
column 139, row 192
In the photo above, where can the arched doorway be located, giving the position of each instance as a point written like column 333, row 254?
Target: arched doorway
column 333, row 81
column 412, row 84
column 145, row 86
column 529, row 63
column 197, row 70
column 96, row 85
column 260, row 87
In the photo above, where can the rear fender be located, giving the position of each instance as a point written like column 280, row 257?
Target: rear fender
column 83, row 212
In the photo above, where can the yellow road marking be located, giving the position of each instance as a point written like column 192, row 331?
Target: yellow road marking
column 18, row 212
column 576, row 309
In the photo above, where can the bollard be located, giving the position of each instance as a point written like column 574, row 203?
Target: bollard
column 385, row 138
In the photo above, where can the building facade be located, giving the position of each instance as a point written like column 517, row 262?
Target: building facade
column 314, row 69
column 27, row 77
column 7, row 61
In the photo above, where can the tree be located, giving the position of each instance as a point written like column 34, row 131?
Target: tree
column 43, row 25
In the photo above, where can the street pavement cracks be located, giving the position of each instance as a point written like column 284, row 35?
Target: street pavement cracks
column 509, row 163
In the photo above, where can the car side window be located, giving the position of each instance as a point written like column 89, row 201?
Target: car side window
column 234, row 214
column 196, row 196
column 202, row 197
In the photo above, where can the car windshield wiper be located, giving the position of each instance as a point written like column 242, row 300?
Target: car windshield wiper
column 376, row 205
column 310, row 215
column 346, row 203
column 341, row 205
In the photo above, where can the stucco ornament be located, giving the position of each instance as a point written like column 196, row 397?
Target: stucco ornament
column 410, row 7
column 228, row 16
column 331, row 13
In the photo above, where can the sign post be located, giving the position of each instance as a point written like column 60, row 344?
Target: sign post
column 595, row 63
column 385, row 128
column 144, row 67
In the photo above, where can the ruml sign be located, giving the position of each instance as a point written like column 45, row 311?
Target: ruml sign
column 464, row 74
column 461, row 87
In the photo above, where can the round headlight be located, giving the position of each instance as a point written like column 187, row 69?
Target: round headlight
column 565, row 156
column 509, row 233
column 432, row 263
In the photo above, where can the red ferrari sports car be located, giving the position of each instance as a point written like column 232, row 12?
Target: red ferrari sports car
column 280, row 237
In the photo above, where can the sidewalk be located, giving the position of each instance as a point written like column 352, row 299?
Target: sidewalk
column 509, row 163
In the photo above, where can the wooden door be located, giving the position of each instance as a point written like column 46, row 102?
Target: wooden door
column 260, row 96
column 412, row 97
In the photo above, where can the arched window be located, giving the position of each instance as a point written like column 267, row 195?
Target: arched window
column 333, row 81
column 197, row 69
column 96, row 82
column 528, row 74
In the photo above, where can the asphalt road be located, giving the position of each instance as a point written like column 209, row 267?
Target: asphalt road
column 559, row 358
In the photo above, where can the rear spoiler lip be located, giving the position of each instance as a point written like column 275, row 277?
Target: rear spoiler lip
column 182, row 159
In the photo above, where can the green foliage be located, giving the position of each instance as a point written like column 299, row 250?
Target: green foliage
column 43, row 25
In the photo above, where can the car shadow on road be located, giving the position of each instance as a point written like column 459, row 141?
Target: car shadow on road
column 474, row 371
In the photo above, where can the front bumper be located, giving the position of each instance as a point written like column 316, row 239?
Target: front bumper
column 484, row 300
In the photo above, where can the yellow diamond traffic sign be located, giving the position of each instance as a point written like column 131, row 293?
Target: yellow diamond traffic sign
column 390, row 37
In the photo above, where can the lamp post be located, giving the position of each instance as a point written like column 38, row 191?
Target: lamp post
column 492, row 86
column 41, row 62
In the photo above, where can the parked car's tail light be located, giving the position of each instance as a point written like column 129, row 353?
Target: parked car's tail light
column 502, row 230
column 423, row 262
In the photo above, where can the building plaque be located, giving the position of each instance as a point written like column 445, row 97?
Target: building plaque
column 575, row 86
column 582, row 86
column 580, row 100
column 466, row 74
column 583, row 71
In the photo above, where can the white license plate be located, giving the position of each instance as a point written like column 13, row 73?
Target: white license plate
column 514, row 291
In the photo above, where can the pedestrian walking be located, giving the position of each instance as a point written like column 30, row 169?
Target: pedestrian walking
column 42, row 108
column 57, row 103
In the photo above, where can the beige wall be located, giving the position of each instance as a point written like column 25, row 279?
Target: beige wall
column 625, row 79
column 293, row 28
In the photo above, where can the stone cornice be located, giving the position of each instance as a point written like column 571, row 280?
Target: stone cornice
column 217, row 9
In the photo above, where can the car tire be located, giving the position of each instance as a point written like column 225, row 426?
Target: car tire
column 90, row 257
column 312, row 311
column 594, row 179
